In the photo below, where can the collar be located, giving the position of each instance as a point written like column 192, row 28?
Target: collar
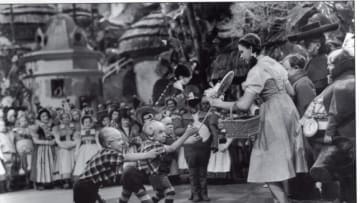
column 298, row 74
column 178, row 85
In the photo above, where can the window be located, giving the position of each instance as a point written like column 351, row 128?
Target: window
column 57, row 88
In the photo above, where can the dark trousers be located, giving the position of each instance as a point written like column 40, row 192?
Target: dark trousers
column 197, row 160
column 85, row 191
column 133, row 179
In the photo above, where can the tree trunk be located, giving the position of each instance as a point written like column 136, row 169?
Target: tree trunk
column 193, row 28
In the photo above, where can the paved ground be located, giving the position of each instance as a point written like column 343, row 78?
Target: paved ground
column 237, row 193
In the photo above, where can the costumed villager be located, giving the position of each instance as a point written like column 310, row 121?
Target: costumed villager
column 24, row 146
column 145, row 114
column 303, row 86
column 334, row 148
column 172, row 87
column 197, row 154
column 42, row 167
column 314, row 40
column 76, row 116
column 171, row 138
column 2, row 173
column 64, row 162
column 158, row 169
column 103, row 119
column 220, row 162
column 7, row 159
column 106, row 165
column 115, row 118
column 172, row 110
column 86, row 144
column 278, row 151
column 131, row 130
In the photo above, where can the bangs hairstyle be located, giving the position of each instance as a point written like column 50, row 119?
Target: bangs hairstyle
column 251, row 40
column 86, row 117
column 43, row 111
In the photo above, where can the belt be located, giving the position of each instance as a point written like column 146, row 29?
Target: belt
column 87, row 142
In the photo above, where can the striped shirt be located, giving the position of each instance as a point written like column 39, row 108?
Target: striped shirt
column 105, row 165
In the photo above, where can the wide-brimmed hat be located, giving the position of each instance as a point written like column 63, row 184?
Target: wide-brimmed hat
column 140, row 112
column 312, row 30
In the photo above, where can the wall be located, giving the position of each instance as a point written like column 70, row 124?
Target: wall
column 145, row 78
column 74, row 87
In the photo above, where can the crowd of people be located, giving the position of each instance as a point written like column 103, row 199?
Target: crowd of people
column 133, row 144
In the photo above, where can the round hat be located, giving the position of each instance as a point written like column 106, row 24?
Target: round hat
column 312, row 30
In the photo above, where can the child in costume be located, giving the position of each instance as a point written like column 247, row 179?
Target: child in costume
column 64, row 137
column 76, row 117
column 87, row 145
column 24, row 146
column 7, row 158
column 158, row 168
column 105, row 165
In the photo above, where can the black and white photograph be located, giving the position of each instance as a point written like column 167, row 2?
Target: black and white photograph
column 177, row 102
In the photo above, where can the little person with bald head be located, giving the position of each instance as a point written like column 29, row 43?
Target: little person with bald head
column 157, row 169
column 105, row 165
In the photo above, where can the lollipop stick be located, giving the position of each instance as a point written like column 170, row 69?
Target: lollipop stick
column 205, row 117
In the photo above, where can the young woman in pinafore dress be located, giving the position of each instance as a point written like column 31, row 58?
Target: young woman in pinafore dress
column 43, row 156
column 278, row 152
column 86, row 145
column 64, row 138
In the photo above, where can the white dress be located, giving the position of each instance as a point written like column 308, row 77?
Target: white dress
column 65, row 159
column 219, row 162
column 88, row 148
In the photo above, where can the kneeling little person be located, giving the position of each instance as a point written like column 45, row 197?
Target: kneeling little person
column 105, row 165
column 155, row 168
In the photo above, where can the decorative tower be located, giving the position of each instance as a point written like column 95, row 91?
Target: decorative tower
column 64, row 68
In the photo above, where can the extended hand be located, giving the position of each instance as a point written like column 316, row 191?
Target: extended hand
column 152, row 154
column 193, row 139
column 214, row 101
column 191, row 130
column 327, row 139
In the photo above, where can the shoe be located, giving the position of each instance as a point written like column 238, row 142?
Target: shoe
column 196, row 198
column 194, row 184
column 66, row 186
column 203, row 184
column 21, row 172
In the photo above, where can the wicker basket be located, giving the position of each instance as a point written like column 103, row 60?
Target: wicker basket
column 241, row 128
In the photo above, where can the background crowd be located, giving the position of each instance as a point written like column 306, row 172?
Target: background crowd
column 48, row 146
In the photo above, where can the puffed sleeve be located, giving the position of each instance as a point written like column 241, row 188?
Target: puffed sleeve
column 255, row 80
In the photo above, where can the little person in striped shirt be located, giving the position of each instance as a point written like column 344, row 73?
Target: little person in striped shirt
column 105, row 165
column 157, row 169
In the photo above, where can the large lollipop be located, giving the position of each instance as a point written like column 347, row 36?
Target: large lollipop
column 219, row 89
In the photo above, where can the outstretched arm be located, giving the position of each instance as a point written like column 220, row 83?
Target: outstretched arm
column 145, row 155
column 174, row 146
column 243, row 103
